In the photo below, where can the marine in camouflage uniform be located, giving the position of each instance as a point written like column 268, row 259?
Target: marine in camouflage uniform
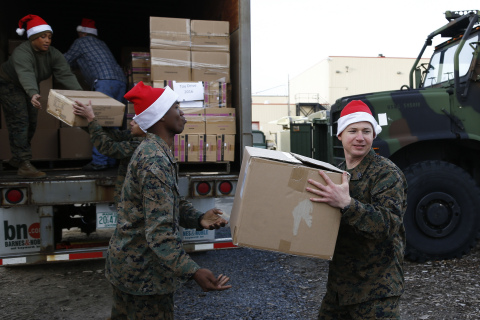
column 145, row 260
column 368, row 260
column 365, row 279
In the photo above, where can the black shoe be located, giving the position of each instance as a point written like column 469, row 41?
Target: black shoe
column 94, row 167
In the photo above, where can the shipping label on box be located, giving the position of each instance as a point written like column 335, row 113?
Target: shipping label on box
column 189, row 91
column 210, row 66
column 283, row 218
column 108, row 111
column 170, row 64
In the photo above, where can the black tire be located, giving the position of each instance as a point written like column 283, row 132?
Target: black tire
column 442, row 220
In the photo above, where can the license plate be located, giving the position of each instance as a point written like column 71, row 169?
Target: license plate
column 106, row 216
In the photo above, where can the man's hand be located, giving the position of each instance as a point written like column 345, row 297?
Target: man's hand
column 207, row 281
column 84, row 110
column 212, row 220
column 36, row 101
column 336, row 195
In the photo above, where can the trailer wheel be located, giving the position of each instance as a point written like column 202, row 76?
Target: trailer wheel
column 442, row 220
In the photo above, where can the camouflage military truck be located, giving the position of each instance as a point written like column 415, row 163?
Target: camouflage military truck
column 431, row 130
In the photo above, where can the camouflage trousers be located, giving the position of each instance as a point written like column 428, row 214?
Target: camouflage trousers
column 386, row 308
column 141, row 307
column 21, row 118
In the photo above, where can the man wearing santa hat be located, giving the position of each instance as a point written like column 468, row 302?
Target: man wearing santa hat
column 365, row 279
column 101, row 72
column 145, row 260
column 30, row 63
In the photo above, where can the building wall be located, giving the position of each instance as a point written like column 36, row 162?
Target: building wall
column 270, row 108
column 337, row 76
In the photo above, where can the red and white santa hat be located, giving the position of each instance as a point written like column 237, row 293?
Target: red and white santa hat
column 357, row 111
column 35, row 25
column 88, row 26
column 150, row 104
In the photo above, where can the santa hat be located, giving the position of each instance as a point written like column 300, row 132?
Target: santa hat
column 88, row 26
column 356, row 111
column 150, row 104
column 35, row 25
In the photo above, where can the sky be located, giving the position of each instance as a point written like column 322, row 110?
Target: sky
column 291, row 36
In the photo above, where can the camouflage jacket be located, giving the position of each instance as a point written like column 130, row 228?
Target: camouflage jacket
column 368, row 259
column 145, row 255
column 117, row 144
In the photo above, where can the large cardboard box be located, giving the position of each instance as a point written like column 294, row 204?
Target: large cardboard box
column 220, row 121
column 170, row 64
column 193, row 145
column 169, row 33
column 108, row 111
column 272, row 210
column 210, row 148
column 210, row 35
column 195, row 120
column 210, row 66
column 75, row 143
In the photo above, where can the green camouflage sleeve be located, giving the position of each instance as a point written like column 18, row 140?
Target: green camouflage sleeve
column 189, row 215
column 111, row 142
column 161, row 210
column 384, row 214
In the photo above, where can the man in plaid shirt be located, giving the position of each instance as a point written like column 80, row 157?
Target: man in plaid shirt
column 101, row 72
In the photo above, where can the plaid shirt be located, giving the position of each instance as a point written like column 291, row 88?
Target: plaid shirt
column 95, row 60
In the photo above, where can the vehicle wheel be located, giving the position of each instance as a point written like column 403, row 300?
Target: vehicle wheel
column 442, row 220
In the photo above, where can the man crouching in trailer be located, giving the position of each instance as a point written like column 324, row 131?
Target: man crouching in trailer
column 145, row 261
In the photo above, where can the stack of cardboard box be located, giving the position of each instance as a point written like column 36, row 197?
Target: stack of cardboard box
column 192, row 57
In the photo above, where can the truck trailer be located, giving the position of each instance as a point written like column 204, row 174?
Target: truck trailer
column 70, row 215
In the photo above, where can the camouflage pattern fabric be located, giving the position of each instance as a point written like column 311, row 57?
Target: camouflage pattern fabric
column 386, row 308
column 368, row 259
column 21, row 119
column 145, row 255
column 152, row 307
column 117, row 144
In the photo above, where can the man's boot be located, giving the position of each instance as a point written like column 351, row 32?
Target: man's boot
column 27, row 170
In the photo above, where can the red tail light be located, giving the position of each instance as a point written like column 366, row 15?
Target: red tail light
column 225, row 187
column 203, row 188
column 14, row 196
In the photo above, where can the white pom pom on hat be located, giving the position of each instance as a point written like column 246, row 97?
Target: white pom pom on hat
column 20, row 32
column 357, row 111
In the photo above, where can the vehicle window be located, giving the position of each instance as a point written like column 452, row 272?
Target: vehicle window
column 441, row 64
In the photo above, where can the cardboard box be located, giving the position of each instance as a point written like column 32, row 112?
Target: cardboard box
column 220, row 121
column 144, row 77
column 210, row 148
column 215, row 94
column 193, row 146
column 226, row 147
column 169, row 33
column 282, row 218
column 171, row 64
column 75, row 144
column 108, row 111
column 175, row 147
column 210, row 35
column 195, row 120
column 182, row 151
column 210, row 66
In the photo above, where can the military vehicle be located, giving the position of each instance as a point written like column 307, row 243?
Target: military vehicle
column 431, row 130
